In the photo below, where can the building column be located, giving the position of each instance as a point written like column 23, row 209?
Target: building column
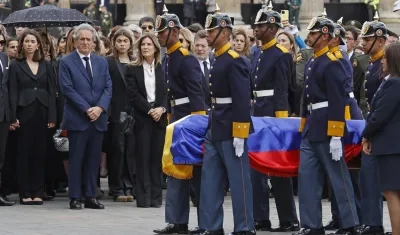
column 387, row 16
column 136, row 9
column 233, row 9
column 308, row 10
column 64, row 3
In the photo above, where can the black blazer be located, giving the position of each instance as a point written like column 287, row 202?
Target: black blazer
column 4, row 94
column 383, row 125
column 26, row 88
column 137, row 95
column 118, row 99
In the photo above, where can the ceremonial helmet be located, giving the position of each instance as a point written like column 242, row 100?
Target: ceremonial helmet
column 167, row 21
column 322, row 24
column 354, row 23
column 340, row 32
column 268, row 16
column 218, row 20
column 396, row 6
column 374, row 28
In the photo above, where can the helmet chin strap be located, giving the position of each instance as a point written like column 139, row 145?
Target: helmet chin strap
column 215, row 39
column 169, row 34
column 312, row 45
column 373, row 44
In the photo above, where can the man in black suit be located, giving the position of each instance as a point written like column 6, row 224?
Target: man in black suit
column 4, row 120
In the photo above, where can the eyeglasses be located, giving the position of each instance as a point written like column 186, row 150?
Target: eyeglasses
column 2, row 42
column 150, row 27
column 349, row 39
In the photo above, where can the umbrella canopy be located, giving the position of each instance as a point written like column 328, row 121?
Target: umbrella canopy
column 46, row 16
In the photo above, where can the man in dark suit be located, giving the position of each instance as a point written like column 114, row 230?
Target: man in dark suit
column 86, row 85
column 4, row 120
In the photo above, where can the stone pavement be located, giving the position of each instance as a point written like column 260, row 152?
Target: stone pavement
column 54, row 218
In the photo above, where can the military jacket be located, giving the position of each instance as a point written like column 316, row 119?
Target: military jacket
column 374, row 76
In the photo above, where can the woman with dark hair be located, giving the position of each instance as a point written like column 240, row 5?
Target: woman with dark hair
column 382, row 128
column 120, row 155
column 61, row 47
column 147, row 94
column 33, row 111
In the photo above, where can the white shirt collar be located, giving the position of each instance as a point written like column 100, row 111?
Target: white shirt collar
column 387, row 77
column 82, row 55
column 147, row 65
column 207, row 60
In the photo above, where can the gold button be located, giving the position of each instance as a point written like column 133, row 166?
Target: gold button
column 309, row 68
column 209, row 75
column 255, row 77
column 367, row 72
column 366, row 89
column 210, row 84
column 308, row 96
column 213, row 107
column 262, row 51
column 210, row 92
column 211, row 67
column 307, row 77
column 255, row 85
column 312, row 60
column 259, row 60
column 167, row 81
column 169, row 89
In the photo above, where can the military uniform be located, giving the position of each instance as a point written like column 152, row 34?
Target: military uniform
column 271, row 72
column 183, row 77
column 371, row 198
column 91, row 13
column 106, row 22
column 322, row 126
column 229, row 127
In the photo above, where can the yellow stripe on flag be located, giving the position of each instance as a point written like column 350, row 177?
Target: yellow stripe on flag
column 182, row 172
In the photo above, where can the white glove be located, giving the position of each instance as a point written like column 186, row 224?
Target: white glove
column 238, row 144
column 336, row 148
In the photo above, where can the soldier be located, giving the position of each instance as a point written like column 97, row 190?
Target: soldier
column 323, row 126
column 225, row 148
column 374, row 35
column 90, row 11
column 183, row 77
column 271, row 72
column 106, row 21
column 352, row 111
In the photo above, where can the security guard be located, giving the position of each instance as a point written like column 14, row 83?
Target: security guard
column 374, row 35
column 90, row 11
column 271, row 72
column 373, row 6
column 183, row 77
column 352, row 111
column 323, row 127
column 106, row 21
column 225, row 147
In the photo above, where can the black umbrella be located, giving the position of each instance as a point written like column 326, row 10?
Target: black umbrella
column 46, row 16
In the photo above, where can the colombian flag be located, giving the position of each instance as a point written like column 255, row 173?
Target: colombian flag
column 274, row 147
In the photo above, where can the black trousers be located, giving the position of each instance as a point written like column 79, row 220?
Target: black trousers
column 150, row 138
column 120, row 160
column 31, row 152
column 3, row 144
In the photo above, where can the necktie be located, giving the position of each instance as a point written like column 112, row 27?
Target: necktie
column 206, row 71
column 88, row 68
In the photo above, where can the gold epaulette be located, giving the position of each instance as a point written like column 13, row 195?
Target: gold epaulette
column 331, row 56
column 338, row 54
column 184, row 51
column 233, row 53
column 284, row 50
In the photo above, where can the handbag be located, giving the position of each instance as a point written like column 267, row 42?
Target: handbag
column 127, row 122
column 61, row 143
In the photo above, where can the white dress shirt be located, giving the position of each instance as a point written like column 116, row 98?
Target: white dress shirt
column 84, row 62
column 351, row 54
column 202, row 65
column 150, row 81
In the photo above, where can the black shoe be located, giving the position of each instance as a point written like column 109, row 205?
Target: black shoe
column 27, row 203
column 332, row 225
column 346, row 231
column 215, row 232
column 311, row 231
column 130, row 196
column 262, row 225
column 244, row 233
column 4, row 201
column 371, row 230
column 156, row 206
column 75, row 204
column 287, row 227
column 47, row 197
column 173, row 229
column 92, row 203
column 196, row 230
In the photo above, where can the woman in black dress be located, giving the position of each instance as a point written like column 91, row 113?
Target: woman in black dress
column 383, row 131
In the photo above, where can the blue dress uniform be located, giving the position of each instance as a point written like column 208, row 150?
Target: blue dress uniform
column 352, row 111
column 371, row 198
column 271, row 72
column 183, row 77
column 229, row 123
column 324, row 102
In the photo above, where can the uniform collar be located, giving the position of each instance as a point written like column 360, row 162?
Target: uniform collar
column 174, row 47
column 333, row 49
column 321, row 52
column 269, row 44
column 377, row 56
column 222, row 50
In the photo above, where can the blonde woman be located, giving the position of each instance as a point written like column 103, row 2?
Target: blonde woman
column 241, row 42
column 146, row 93
column 186, row 39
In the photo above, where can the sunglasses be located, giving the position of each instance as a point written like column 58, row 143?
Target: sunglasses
column 144, row 27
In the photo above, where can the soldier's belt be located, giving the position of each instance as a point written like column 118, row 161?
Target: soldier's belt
column 319, row 105
column 351, row 95
column 263, row 93
column 226, row 100
column 180, row 101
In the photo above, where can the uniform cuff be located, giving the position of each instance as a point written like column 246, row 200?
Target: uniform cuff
column 302, row 123
column 281, row 114
column 199, row 112
column 335, row 128
column 240, row 129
